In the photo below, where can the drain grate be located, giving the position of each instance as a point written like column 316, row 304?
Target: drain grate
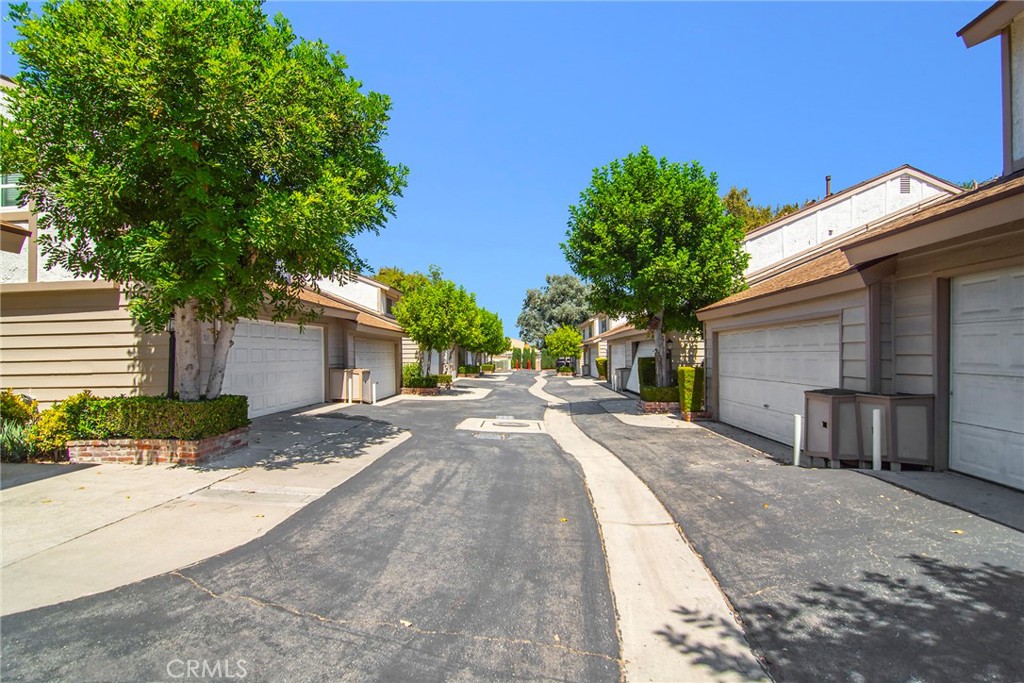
column 507, row 423
column 493, row 436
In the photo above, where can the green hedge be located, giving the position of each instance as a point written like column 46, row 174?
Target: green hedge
column 565, row 370
column 660, row 394
column 691, row 388
column 646, row 372
column 602, row 368
column 547, row 360
column 469, row 369
column 442, row 379
column 487, row 367
column 419, row 382
column 84, row 416
column 410, row 371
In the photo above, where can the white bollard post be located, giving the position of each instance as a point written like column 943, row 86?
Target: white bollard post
column 350, row 399
column 876, row 439
column 373, row 394
column 798, row 436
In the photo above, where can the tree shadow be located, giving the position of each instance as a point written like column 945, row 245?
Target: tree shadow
column 948, row 623
column 288, row 441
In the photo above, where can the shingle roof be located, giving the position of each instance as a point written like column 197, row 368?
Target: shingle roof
column 835, row 263
column 362, row 316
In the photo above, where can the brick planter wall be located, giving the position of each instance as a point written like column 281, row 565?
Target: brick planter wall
column 658, row 406
column 694, row 416
column 422, row 391
column 153, row 451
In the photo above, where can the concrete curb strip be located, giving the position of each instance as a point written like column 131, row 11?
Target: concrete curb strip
column 189, row 516
column 675, row 623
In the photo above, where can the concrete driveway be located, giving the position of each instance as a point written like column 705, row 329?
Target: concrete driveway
column 837, row 575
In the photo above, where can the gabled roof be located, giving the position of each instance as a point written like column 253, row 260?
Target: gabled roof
column 991, row 22
column 349, row 310
column 842, row 194
column 840, row 261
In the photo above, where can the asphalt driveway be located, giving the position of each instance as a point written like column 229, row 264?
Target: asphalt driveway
column 838, row 576
column 453, row 557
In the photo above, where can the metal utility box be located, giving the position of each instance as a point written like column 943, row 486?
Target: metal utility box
column 621, row 378
column 346, row 381
column 907, row 427
column 830, row 425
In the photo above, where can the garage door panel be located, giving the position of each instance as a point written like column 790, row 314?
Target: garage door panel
column 380, row 358
column 275, row 366
column 987, row 376
column 773, row 367
column 976, row 447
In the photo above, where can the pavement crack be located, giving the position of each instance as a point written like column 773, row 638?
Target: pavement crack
column 306, row 614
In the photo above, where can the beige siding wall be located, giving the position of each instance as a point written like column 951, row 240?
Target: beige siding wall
column 854, row 341
column 913, row 316
column 885, row 332
column 914, row 304
column 58, row 342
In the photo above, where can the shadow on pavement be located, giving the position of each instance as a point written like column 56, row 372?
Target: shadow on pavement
column 292, row 440
column 17, row 473
column 884, row 629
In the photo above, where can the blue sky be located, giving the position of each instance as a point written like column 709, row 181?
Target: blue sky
column 502, row 110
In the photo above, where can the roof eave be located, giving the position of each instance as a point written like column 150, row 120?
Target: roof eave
column 990, row 23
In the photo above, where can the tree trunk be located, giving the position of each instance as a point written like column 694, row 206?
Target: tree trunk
column 222, row 341
column 186, row 351
column 661, row 369
column 423, row 357
column 446, row 363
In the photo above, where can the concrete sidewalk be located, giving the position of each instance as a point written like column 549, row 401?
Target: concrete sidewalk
column 92, row 529
column 835, row 574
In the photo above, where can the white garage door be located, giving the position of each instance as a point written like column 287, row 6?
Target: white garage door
column 986, row 431
column 379, row 358
column 276, row 366
column 763, row 374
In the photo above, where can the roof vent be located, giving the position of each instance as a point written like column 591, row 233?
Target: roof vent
column 905, row 184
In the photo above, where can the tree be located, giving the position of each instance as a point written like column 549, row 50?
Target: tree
column 737, row 203
column 656, row 245
column 565, row 342
column 438, row 316
column 562, row 301
column 488, row 337
column 198, row 154
column 404, row 282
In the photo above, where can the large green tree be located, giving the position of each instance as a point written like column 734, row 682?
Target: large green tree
column 199, row 154
column 738, row 203
column 565, row 342
column 654, row 241
column 404, row 281
column 438, row 316
column 561, row 301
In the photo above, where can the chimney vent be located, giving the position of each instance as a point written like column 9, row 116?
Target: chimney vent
column 828, row 186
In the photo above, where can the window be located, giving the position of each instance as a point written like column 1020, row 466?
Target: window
column 388, row 303
column 9, row 189
column 603, row 326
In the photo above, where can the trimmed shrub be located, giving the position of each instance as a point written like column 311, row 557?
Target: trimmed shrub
column 469, row 369
column 409, row 372
column 65, row 421
column 442, row 380
column 659, row 394
column 602, row 368
column 691, row 388
column 418, row 382
column 646, row 372
column 548, row 360
column 565, row 370
column 16, row 409
column 84, row 416
column 487, row 367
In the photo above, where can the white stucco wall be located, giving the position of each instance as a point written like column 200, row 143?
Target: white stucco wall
column 366, row 295
column 831, row 220
column 1017, row 88
column 14, row 267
